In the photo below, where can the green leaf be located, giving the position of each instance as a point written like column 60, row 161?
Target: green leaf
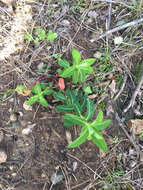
column 75, row 76
column 90, row 109
column 76, row 57
column 51, row 36
column 28, row 37
column 43, row 101
column 67, row 72
column 36, row 40
column 64, row 108
column 71, row 95
column 32, row 100
column 20, row 88
column 98, row 139
column 81, row 139
column 43, row 85
column 82, row 130
column 63, row 63
column 88, row 69
column 84, row 102
column 77, row 108
column 59, row 96
column 47, row 92
column 91, row 132
column 99, row 117
column 37, row 88
column 76, row 119
column 100, row 125
column 87, row 90
column 32, row 89
column 41, row 34
column 67, row 123
column 87, row 62
column 82, row 75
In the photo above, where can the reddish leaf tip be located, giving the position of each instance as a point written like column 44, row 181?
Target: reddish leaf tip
column 61, row 83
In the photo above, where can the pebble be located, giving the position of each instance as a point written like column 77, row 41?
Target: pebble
column 13, row 117
column 16, row 124
column 74, row 166
column 65, row 22
column 56, row 177
column 13, row 174
column 28, row 129
column 132, row 163
column 3, row 156
column 118, row 40
column 40, row 66
column 43, row 175
column 93, row 14
column 97, row 54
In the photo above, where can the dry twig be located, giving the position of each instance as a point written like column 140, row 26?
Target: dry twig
column 122, row 125
column 137, row 90
column 129, row 24
column 121, row 89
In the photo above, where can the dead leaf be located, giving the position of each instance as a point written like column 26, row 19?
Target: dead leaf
column 27, row 107
column 68, row 137
column 135, row 125
column 92, row 96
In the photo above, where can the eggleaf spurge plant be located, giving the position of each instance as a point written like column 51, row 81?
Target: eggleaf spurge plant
column 39, row 95
column 78, row 108
column 79, row 68
column 82, row 109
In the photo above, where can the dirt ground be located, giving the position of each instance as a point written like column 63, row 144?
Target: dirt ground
column 34, row 159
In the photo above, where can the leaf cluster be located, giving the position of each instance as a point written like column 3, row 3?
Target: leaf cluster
column 39, row 95
column 79, row 68
column 40, row 35
column 82, row 110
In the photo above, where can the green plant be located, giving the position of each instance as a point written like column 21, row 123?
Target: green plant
column 39, row 95
column 83, row 109
column 4, row 95
column 19, row 89
column 79, row 68
column 78, row 108
column 40, row 35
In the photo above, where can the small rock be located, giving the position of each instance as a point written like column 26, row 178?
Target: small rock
column 11, row 167
column 3, row 156
column 16, row 124
column 40, row 66
column 74, row 166
column 132, row 163
column 43, row 175
column 13, row 117
column 28, row 130
column 90, row 20
column 56, row 177
column 13, row 174
column 65, row 23
column 92, row 14
column 97, row 54
column 118, row 40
